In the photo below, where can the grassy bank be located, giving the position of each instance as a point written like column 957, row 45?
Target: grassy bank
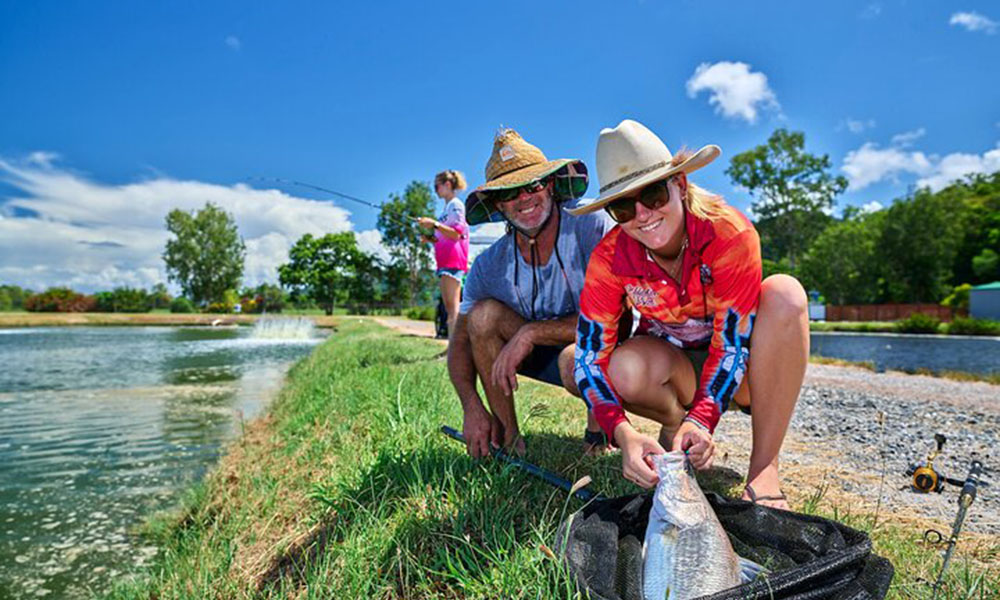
column 347, row 490
column 30, row 319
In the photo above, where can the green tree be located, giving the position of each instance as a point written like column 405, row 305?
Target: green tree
column 917, row 247
column 402, row 236
column 16, row 294
column 975, row 203
column 792, row 193
column 159, row 296
column 325, row 269
column 205, row 256
column 843, row 263
column 6, row 302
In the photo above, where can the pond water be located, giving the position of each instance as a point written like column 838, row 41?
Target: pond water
column 102, row 426
column 980, row 355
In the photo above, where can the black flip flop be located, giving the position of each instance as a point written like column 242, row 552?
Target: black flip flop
column 757, row 499
column 597, row 439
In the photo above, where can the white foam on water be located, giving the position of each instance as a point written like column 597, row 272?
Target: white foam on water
column 283, row 328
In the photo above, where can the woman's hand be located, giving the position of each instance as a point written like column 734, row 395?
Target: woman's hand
column 636, row 448
column 696, row 443
column 427, row 223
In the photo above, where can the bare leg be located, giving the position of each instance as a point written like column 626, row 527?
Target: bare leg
column 655, row 380
column 566, row 366
column 451, row 292
column 779, row 355
column 491, row 325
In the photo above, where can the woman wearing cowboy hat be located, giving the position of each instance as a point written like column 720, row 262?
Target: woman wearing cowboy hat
column 689, row 265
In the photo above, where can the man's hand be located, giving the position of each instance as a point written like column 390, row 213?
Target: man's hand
column 514, row 351
column 480, row 431
column 636, row 448
column 427, row 222
column 697, row 443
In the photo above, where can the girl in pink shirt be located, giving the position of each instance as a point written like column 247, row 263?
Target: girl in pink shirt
column 451, row 241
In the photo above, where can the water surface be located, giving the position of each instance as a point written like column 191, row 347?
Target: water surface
column 979, row 355
column 101, row 426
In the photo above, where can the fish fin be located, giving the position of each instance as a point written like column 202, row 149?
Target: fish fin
column 749, row 570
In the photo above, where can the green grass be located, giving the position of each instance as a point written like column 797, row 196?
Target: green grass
column 347, row 490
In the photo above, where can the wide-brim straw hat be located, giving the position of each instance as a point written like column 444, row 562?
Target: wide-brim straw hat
column 514, row 163
column 630, row 156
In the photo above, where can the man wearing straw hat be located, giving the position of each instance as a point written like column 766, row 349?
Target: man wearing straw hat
column 521, row 301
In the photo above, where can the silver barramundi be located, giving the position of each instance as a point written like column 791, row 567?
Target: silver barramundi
column 686, row 553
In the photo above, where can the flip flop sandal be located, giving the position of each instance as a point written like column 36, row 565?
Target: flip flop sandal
column 597, row 439
column 757, row 499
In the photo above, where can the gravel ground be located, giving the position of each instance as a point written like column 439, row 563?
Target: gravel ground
column 836, row 436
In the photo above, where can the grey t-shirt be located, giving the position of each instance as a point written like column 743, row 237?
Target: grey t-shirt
column 558, row 292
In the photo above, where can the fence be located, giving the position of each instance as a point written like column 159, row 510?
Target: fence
column 884, row 312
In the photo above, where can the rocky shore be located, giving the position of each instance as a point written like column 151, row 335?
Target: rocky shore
column 853, row 426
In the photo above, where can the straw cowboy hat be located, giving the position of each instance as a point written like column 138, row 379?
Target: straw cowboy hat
column 630, row 157
column 514, row 163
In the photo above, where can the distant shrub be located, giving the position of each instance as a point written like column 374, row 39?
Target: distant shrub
column 969, row 326
column 420, row 313
column 181, row 305
column 12, row 297
column 958, row 300
column 918, row 323
column 226, row 305
column 60, row 300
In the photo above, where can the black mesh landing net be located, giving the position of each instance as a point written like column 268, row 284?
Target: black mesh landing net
column 807, row 558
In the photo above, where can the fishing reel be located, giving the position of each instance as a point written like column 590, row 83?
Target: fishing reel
column 925, row 479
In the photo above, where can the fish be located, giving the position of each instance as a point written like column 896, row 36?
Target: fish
column 686, row 552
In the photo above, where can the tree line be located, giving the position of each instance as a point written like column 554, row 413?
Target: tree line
column 925, row 247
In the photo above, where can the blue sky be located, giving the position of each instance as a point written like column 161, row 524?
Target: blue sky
column 115, row 112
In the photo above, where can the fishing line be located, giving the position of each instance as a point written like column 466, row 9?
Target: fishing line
column 378, row 207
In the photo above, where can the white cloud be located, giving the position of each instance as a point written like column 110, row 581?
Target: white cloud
column 64, row 229
column 233, row 42
column 957, row 165
column 870, row 164
column 972, row 21
column 856, row 125
column 736, row 92
column 873, row 206
column 905, row 140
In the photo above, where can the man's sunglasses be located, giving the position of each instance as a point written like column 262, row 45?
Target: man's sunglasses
column 513, row 193
column 653, row 196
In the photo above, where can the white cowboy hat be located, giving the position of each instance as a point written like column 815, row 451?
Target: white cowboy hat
column 630, row 157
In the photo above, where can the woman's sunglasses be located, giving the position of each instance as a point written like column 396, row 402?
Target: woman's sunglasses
column 653, row 196
column 513, row 193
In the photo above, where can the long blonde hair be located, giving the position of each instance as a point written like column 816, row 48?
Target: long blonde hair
column 699, row 201
column 455, row 178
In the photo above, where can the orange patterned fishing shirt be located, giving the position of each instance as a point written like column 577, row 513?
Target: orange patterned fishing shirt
column 713, row 307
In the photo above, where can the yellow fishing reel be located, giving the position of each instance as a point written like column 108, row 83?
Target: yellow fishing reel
column 925, row 478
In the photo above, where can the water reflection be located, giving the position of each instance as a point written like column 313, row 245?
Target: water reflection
column 99, row 427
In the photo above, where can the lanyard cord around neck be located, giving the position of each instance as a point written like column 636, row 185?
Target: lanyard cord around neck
column 534, row 264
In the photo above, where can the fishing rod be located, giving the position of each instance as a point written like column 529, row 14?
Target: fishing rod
column 377, row 207
column 964, row 501
column 545, row 475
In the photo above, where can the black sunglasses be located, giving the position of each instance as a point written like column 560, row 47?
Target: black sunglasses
column 653, row 196
column 512, row 193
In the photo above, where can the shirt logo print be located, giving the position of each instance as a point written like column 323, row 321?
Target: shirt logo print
column 640, row 295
